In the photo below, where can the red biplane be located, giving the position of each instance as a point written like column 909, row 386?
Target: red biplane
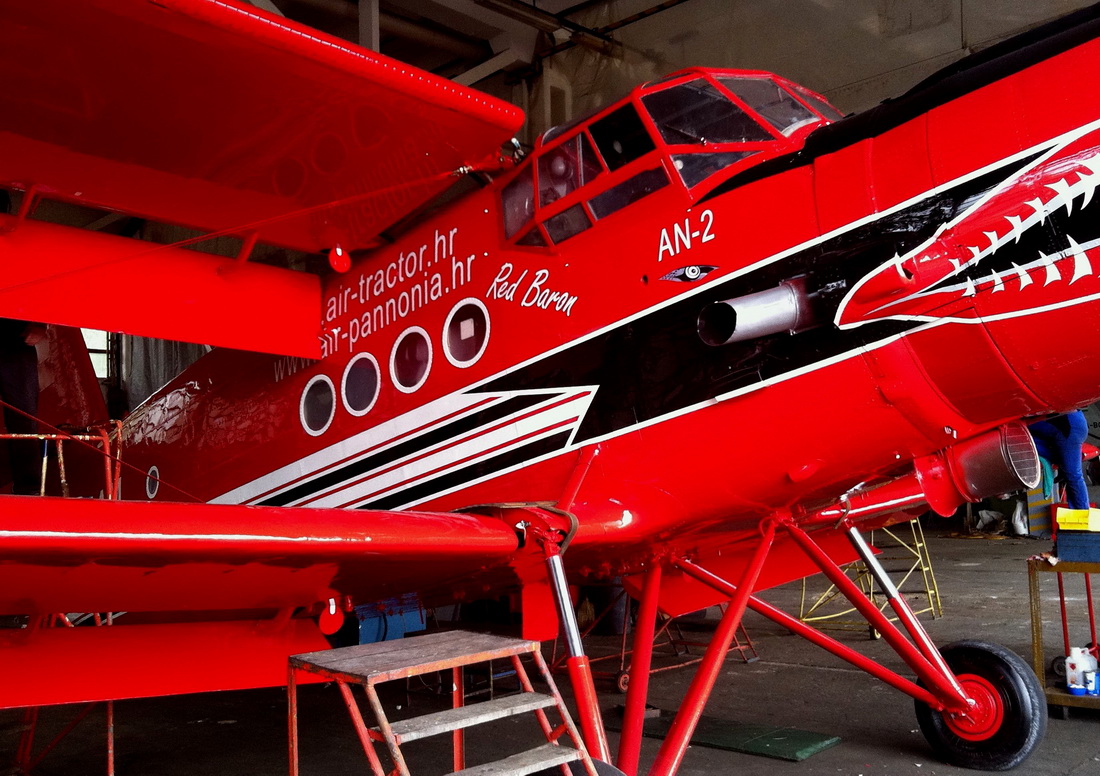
column 599, row 362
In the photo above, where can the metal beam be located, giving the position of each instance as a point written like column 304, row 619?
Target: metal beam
column 651, row 11
column 487, row 68
column 267, row 5
column 551, row 23
column 369, row 25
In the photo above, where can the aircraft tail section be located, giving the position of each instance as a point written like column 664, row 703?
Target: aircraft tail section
column 69, row 390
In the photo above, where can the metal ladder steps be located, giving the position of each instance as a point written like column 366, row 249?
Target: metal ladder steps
column 447, row 720
column 531, row 761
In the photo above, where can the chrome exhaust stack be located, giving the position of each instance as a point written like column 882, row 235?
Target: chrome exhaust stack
column 784, row 308
column 999, row 461
column 1002, row 460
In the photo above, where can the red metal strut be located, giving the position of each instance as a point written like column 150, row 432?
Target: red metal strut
column 676, row 743
column 630, row 739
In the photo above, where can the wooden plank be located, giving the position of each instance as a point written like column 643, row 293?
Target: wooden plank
column 468, row 716
column 531, row 761
column 388, row 660
column 1063, row 698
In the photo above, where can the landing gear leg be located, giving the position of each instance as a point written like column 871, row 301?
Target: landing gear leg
column 580, row 670
column 978, row 704
column 1006, row 714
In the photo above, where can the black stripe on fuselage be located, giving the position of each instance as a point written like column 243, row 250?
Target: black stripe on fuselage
column 476, row 471
column 409, row 447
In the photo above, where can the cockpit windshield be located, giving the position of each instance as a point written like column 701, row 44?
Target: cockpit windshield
column 692, row 125
column 771, row 101
column 697, row 112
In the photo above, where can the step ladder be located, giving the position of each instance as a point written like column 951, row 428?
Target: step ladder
column 369, row 665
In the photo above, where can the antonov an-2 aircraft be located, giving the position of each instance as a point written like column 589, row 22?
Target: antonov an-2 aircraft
column 700, row 339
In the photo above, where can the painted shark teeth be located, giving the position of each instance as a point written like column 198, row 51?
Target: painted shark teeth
column 1082, row 267
column 1053, row 275
column 1021, row 273
column 1062, row 193
column 955, row 252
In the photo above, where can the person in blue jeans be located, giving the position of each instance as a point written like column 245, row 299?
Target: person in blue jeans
column 1059, row 440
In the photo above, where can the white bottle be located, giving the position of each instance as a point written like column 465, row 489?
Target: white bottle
column 1079, row 661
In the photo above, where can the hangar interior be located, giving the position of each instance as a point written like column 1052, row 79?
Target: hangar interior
column 560, row 62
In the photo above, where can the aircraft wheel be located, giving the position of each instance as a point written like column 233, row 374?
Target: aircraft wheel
column 1008, row 719
column 622, row 681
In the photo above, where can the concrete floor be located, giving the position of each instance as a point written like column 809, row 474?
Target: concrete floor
column 984, row 588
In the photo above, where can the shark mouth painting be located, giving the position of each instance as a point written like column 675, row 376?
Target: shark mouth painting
column 1028, row 245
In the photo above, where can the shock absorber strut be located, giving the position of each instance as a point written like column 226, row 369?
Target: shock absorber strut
column 580, row 670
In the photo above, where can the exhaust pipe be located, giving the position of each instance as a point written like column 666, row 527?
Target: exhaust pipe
column 999, row 461
column 784, row 308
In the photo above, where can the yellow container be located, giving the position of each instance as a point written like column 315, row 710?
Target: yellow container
column 1078, row 519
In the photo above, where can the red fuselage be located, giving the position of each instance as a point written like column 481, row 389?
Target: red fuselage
column 473, row 359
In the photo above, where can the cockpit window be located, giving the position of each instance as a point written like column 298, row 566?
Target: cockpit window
column 533, row 237
column 694, row 168
column 822, row 107
column 518, row 200
column 567, row 223
column 771, row 101
column 630, row 190
column 696, row 112
column 621, row 137
column 563, row 169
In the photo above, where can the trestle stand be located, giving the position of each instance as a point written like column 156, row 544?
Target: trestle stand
column 683, row 726
column 580, row 670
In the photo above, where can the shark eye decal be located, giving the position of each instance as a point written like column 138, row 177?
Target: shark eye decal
column 690, row 273
column 318, row 405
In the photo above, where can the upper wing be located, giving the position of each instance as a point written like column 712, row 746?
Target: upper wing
column 221, row 117
column 96, row 555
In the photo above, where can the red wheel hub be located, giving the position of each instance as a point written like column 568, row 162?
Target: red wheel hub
column 986, row 713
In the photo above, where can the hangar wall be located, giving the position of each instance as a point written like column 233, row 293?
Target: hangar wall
column 855, row 52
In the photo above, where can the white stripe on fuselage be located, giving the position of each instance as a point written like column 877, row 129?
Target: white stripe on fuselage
column 531, row 422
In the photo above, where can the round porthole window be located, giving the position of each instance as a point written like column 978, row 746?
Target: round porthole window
column 411, row 359
column 152, row 482
column 466, row 332
column 318, row 405
column 360, row 384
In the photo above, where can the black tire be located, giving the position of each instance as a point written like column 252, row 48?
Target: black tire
column 622, row 681
column 1014, row 703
